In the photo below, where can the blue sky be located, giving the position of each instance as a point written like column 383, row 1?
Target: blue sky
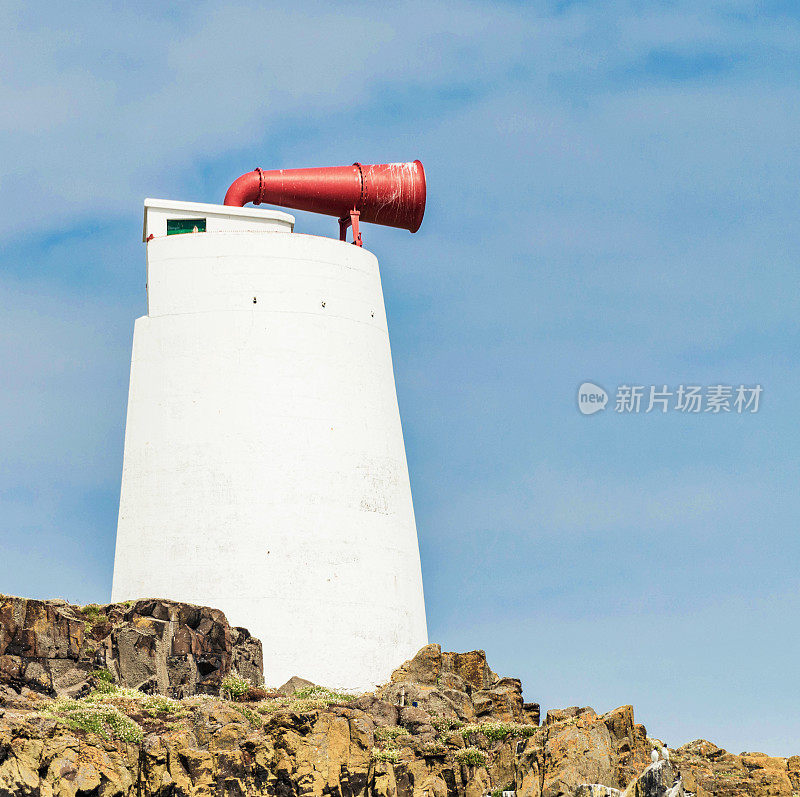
column 612, row 196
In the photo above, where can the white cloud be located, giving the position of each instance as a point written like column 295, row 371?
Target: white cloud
column 118, row 100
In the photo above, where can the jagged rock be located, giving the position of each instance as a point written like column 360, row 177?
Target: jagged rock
column 247, row 656
column 561, row 714
column 793, row 770
column 415, row 720
column 504, row 700
column 382, row 713
column 459, row 685
column 162, row 646
column 464, row 671
column 424, row 668
column 531, row 713
column 631, row 748
column 708, row 769
column 472, row 667
column 461, row 703
column 579, row 750
column 576, row 749
column 281, row 747
column 596, row 790
column 437, row 703
column 658, row 780
column 293, row 685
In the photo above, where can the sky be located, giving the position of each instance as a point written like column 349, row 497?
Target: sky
column 612, row 198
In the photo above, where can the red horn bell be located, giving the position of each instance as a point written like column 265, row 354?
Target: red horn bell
column 392, row 194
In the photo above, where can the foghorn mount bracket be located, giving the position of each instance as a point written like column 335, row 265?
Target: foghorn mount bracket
column 350, row 221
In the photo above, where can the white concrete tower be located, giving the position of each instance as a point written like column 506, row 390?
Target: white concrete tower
column 264, row 471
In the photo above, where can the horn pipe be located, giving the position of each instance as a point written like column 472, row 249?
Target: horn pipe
column 392, row 194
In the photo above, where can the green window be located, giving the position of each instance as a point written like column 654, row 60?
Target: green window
column 178, row 226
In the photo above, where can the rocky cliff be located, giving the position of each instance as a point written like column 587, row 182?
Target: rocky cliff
column 145, row 700
column 175, row 649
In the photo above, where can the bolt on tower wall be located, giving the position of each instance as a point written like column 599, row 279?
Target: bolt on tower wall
column 264, row 470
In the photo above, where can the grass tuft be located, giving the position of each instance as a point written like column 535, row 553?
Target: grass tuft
column 443, row 724
column 310, row 698
column 499, row 731
column 105, row 720
column 93, row 614
column 234, row 686
column 392, row 755
column 391, row 733
column 123, row 698
column 323, row 694
column 472, row 757
column 251, row 716
column 433, row 748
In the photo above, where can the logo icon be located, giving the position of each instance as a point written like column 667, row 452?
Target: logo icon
column 591, row 398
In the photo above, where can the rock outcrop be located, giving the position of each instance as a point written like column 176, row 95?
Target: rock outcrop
column 156, row 646
column 444, row 726
column 458, row 685
column 658, row 780
column 708, row 769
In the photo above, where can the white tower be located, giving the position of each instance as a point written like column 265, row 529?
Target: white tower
column 264, row 471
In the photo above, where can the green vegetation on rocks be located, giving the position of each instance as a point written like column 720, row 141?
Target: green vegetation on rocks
column 120, row 741
column 391, row 754
column 234, row 686
column 93, row 614
column 323, row 695
column 443, row 724
column 251, row 716
column 105, row 710
column 105, row 720
column 433, row 748
column 310, row 698
column 472, row 757
column 498, row 731
column 391, row 733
